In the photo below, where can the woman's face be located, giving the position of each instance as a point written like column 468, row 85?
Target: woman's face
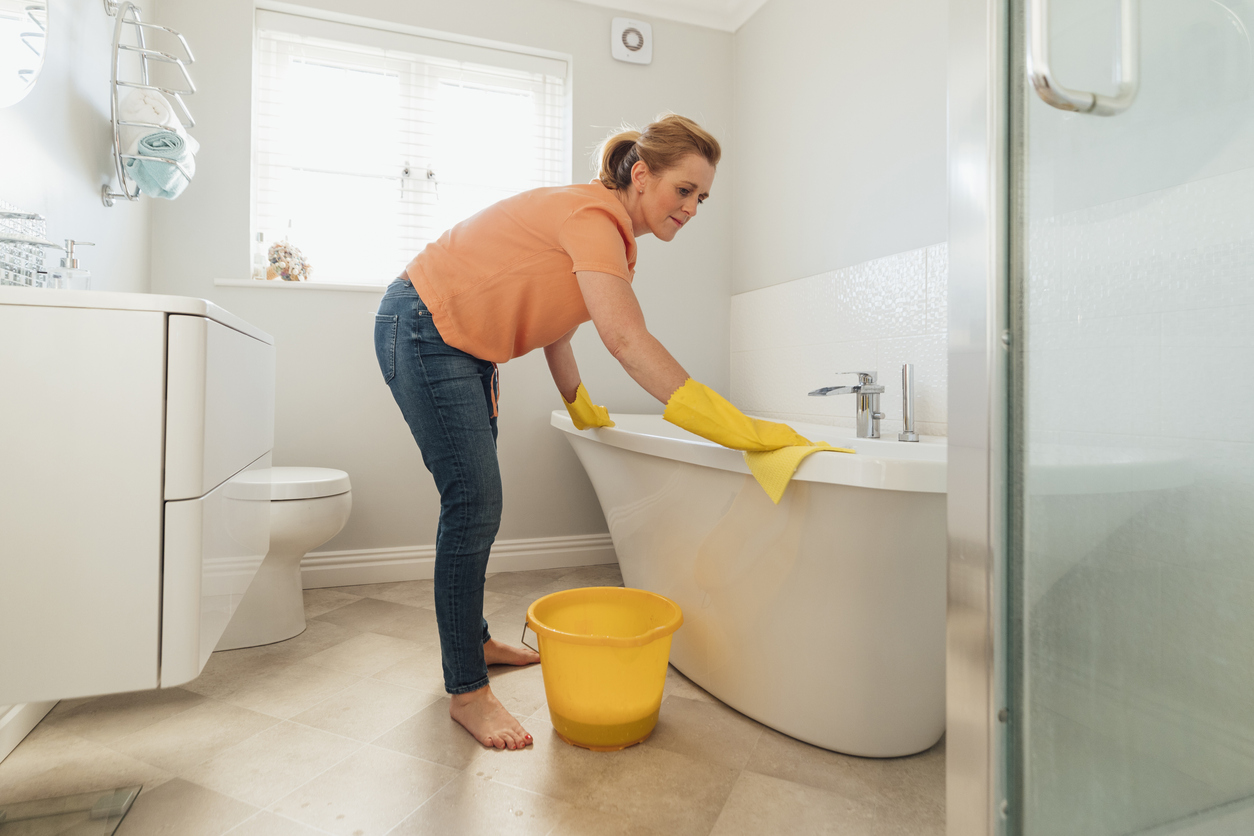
column 667, row 201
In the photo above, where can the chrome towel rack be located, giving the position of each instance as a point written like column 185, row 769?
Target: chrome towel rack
column 128, row 14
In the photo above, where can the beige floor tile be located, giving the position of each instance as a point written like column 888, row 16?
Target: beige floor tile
column 492, row 602
column 319, row 601
column 363, row 615
column 520, row 583
column 582, row 821
column 366, row 710
column 520, row 690
column 290, row 690
column 51, row 763
column 318, row 636
column 269, row 765
column 180, row 808
column 365, row 654
column 434, row 736
column 910, row 791
column 705, row 730
column 654, row 789
column 681, row 686
column 196, row 735
column 412, row 593
column 228, row 670
column 105, row 719
column 472, row 805
column 422, row 672
column 780, row 756
column 268, row 824
column 759, row 804
column 604, row 574
column 365, row 590
column 401, row 621
column 366, row 794
column 550, row 766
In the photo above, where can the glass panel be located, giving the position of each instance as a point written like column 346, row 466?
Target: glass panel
column 1133, row 420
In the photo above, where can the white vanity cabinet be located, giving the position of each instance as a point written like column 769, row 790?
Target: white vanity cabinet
column 123, row 550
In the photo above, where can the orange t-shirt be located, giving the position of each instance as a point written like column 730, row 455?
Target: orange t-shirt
column 502, row 282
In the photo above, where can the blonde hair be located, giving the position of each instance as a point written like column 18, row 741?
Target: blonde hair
column 661, row 145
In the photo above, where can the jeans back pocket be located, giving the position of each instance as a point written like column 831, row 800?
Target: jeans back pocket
column 385, row 327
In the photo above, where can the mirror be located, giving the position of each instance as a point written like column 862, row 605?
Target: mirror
column 23, row 34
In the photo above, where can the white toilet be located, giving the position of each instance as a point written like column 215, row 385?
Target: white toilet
column 308, row 506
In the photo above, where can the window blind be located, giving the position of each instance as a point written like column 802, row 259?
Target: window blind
column 368, row 143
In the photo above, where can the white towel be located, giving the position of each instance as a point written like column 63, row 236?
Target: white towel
column 151, row 107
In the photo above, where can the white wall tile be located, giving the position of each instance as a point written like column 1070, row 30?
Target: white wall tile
column 929, row 354
column 792, row 338
column 937, row 289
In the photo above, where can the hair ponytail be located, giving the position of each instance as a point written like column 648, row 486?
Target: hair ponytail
column 661, row 145
column 618, row 155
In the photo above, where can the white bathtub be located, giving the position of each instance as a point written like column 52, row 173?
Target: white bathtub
column 823, row 616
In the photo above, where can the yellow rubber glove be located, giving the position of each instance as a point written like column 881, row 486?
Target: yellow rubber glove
column 585, row 413
column 699, row 409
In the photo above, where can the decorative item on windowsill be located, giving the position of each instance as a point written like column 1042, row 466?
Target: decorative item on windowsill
column 287, row 263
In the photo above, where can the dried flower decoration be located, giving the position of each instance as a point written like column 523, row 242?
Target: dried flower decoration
column 287, row 263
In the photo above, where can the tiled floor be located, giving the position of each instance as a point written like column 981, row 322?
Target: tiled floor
column 345, row 730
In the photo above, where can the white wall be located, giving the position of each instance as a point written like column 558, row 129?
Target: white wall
column 57, row 151
column 840, row 133
column 840, row 223
column 333, row 408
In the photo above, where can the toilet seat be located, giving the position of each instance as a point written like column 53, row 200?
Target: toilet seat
column 285, row 483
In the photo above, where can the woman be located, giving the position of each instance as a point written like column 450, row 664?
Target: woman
column 520, row 275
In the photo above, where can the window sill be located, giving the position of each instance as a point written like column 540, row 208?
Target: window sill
column 278, row 284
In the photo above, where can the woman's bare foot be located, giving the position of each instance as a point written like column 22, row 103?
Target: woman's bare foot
column 496, row 653
column 482, row 714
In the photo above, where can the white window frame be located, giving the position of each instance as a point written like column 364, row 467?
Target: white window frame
column 440, row 44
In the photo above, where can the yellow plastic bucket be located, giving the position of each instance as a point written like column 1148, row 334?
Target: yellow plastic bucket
column 603, row 654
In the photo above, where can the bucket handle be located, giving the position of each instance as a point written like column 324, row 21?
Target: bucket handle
column 524, row 637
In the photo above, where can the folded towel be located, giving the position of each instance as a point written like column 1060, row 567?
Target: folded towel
column 158, row 179
column 774, row 468
column 152, row 108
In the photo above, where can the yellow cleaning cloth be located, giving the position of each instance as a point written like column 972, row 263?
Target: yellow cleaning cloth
column 774, row 468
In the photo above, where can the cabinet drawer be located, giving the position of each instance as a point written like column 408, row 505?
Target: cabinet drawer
column 219, row 404
column 213, row 547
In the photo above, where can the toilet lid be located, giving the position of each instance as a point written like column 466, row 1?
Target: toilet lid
column 288, row 483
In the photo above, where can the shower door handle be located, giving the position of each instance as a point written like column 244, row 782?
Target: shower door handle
column 1082, row 101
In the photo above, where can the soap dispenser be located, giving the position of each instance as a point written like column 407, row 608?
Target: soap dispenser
column 68, row 276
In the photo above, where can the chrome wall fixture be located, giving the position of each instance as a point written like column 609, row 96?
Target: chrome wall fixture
column 1082, row 101
column 128, row 14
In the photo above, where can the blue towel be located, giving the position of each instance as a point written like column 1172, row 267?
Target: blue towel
column 157, row 179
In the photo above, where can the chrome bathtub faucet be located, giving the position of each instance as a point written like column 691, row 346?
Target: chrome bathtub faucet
column 868, row 402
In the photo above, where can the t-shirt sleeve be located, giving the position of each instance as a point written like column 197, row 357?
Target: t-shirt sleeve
column 593, row 240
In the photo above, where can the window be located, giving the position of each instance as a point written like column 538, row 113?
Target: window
column 369, row 143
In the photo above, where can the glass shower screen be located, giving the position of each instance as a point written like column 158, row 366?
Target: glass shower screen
column 1132, row 418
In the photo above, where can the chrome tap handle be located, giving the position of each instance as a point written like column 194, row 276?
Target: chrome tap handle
column 907, row 404
column 863, row 377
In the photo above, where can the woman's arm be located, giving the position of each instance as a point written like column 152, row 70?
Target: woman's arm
column 620, row 323
column 561, row 358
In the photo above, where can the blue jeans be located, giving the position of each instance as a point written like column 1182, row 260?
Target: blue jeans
column 448, row 399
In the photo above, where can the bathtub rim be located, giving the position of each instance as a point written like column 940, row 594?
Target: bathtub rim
column 861, row 470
